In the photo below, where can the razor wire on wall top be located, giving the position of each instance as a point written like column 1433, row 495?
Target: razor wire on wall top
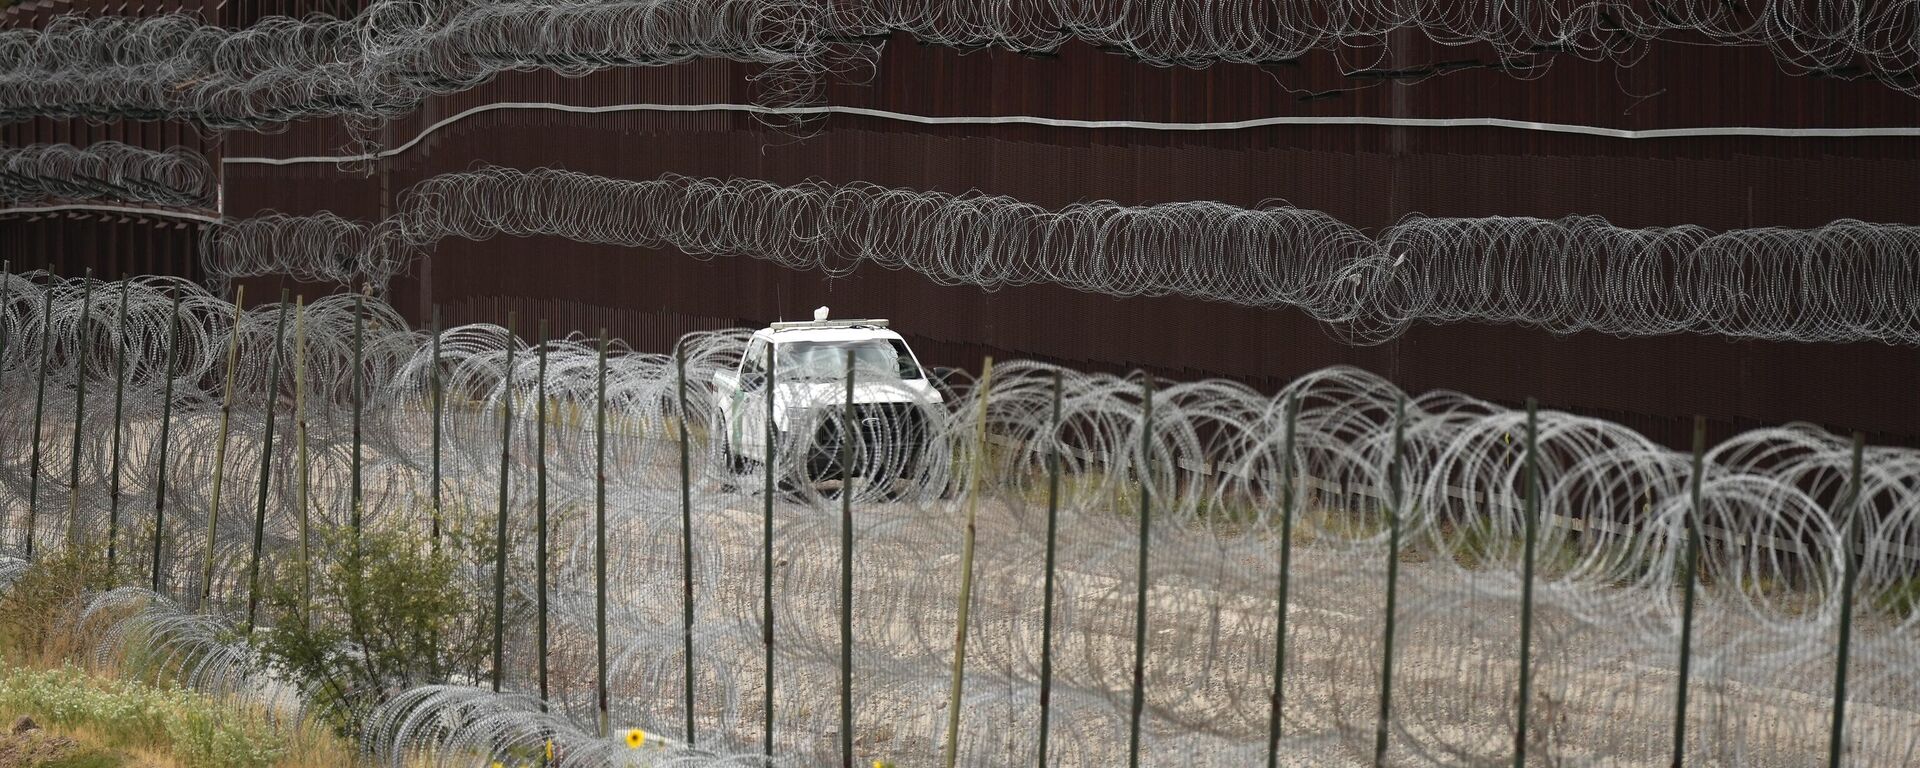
column 1086, row 516
column 385, row 61
column 320, row 248
column 105, row 170
column 1845, row 281
column 379, row 65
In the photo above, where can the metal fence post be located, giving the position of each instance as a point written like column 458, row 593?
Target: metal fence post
column 1053, row 533
column 1286, row 575
column 848, row 434
column 1691, row 567
column 266, row 464
column 356, row 498
column 500, row 528
column 6, row 300
column 439, row 402
column 39, row 413
column 1530, row 524
column 1850, row 576
column 686, row 530
column 79, row 404
column 304, row 466
column 220, row 449
column 1140, row 596
column 540, row 509
column 119, row 406
column 957, row 686
column 166, row 428
column 766, row 552
column 600, row 539
column 1394, row 513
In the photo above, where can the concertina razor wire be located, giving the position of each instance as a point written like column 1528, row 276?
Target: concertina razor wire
column 385, row 61
column 1844, row 281
column 105, row 170
column 1083, row 509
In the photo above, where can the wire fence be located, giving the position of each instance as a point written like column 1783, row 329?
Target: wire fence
column 819, row 561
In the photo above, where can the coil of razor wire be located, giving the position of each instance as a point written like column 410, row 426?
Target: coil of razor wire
column 385, row 61
column 375, row 66
column 1844, row 281
column 105, row 170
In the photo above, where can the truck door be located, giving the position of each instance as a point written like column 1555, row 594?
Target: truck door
column 744, row 406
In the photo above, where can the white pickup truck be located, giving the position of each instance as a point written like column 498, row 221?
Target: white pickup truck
column 899, row 410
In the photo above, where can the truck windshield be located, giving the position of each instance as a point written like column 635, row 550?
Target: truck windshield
column 827, row 360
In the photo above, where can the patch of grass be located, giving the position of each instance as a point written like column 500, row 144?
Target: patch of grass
column 1340, row 523
column 92, row 759
column 1480, row 539
column 86, row 751
column 31, row 630
column 1900, row 600
column 198, row 731
column 1228, row 513
column 1089, row 486
column 122, row 720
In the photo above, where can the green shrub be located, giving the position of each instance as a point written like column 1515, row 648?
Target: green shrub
column 389, row 611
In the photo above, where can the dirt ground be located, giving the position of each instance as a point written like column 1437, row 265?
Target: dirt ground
column 27, row 745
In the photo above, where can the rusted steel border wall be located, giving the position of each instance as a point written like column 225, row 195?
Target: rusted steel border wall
column 1367, row 175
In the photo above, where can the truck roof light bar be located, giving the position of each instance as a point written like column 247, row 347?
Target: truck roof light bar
column 796, row 325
